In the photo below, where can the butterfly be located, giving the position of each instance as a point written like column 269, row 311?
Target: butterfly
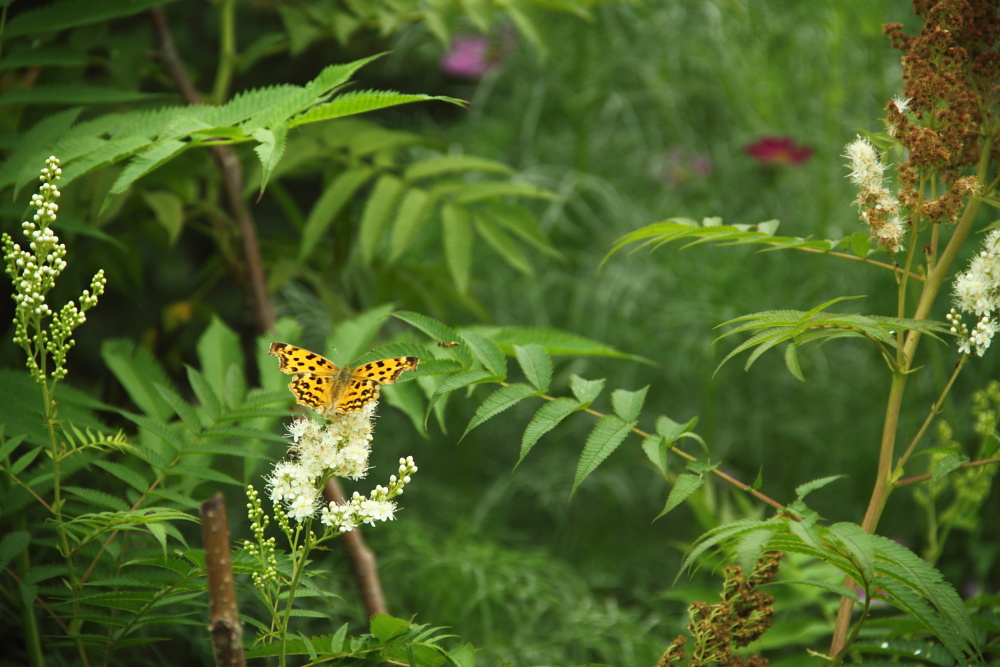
column 326, row 388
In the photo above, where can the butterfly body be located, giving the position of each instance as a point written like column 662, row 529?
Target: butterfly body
column 327, row 388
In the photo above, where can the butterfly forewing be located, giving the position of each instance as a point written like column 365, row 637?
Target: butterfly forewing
column 323, row 386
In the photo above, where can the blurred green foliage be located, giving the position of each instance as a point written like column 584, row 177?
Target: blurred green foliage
column 591, row 123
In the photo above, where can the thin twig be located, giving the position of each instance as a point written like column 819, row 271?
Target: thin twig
column 232, row 179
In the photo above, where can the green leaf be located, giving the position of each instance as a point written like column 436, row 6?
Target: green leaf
column 207, row 397
column 500, row 400
column 169, row 211
column 184, row 410
column 804, row 490
column 58, row 16
column 503, row 244
column 488, row 354
column 218, row 351
column 145, row 162
column 671, row 430
column 536, row 364
column 558, row 343
column 457, row 381
column 446, row 164
column 546, row 418
column 655, row 448
column 861, row 244
column 434, row 329
column 357, row 102
column 379, row 209
column 138, row 372
column 11, row 544
column 792, row 362
column 413, row 213
column 585, row 390
column 270, row 149
column 857, row 545
column 384, row 627
column 331, row 202
column 353, row 337
column 456, row 233
column 605, row 438
column 628, row 404
column 125, row 473
column 685, row 485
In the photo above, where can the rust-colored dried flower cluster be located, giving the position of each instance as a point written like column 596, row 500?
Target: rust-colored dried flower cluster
column 950, row 73
column 743, row 615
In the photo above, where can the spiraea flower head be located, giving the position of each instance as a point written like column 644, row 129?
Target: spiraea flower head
column 33, row 269
column 339, row 447
column 878, row 208
column 977, row 291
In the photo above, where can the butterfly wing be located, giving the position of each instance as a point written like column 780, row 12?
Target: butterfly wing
column 363, row 387
column 315, row 375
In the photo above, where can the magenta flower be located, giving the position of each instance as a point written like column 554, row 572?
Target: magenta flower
column 470, row 56
column 775, row 151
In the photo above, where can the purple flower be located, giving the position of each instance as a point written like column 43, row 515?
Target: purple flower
column 774, row 151
column 470, row 56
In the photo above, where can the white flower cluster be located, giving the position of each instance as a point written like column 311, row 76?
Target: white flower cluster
column 977, row 290
column 34, row 271
column 879, row 209
column 338, row 448
column 377, row 507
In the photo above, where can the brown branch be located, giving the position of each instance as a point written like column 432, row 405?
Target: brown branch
column 225, row 157
column 362, row 558
column 227, row 633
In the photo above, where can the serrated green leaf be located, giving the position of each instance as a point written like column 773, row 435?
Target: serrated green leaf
column 183, row 409
column 536, row 365
column 434, row 329
column 685, row 485
column 546, row 418
column 446, row 164
column 138, row 372
column 500, row 400
column 609, row 432
column 384, row 627
column 503, row 244
column 792, row 362
column 11, row 544
column 858, row 547
column 457, row 381
column 655, row 448
column 168, row 209
column 585, row 390
column 203, row 390
column 804, row 490
column 125, row 473
column 58, row 16
column 628, row 404
column 271, row 147
column 331, row 202
column 411, row 217
column 488, row 354
column 456, row 235
column 378, row 212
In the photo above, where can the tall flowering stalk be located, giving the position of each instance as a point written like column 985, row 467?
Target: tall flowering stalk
column 46, row 338
column 947, row 125
column 340, row 447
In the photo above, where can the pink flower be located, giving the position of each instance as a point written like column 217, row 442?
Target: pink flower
column 774, row 151
column 470, row 56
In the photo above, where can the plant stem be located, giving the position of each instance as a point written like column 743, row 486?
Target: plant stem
column 884, row 479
